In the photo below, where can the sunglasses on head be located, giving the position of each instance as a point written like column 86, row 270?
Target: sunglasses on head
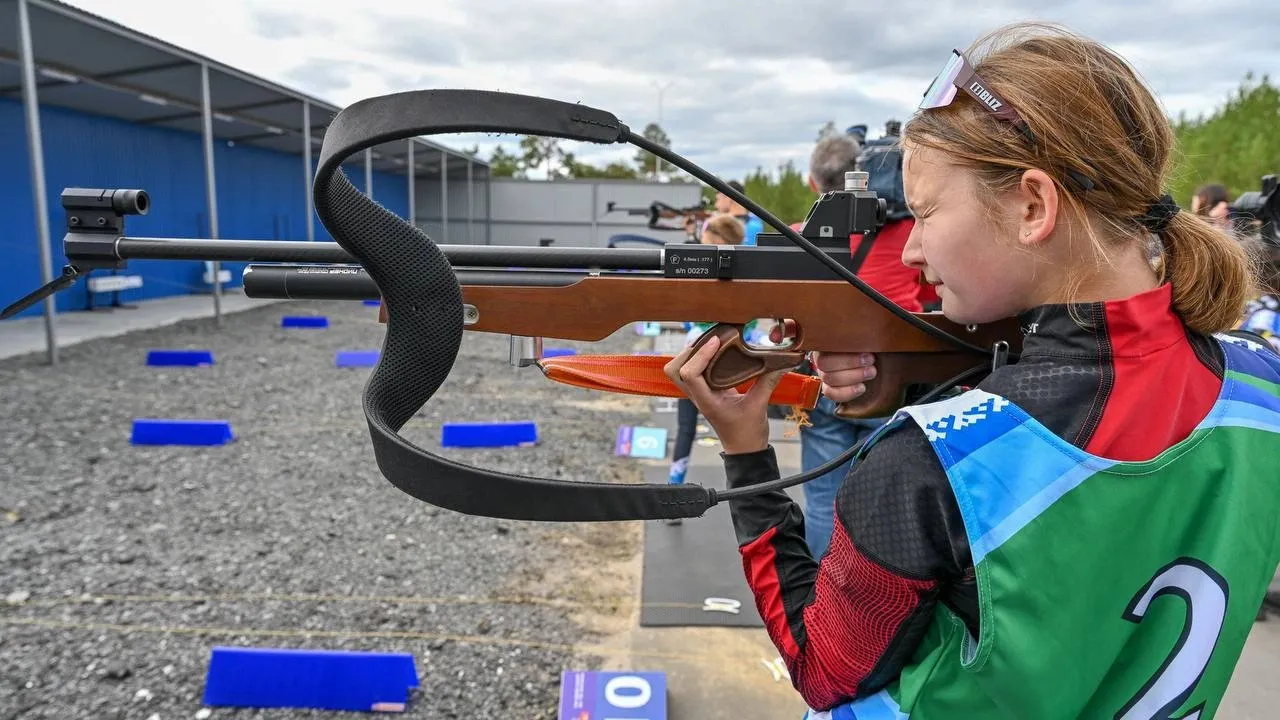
column 959, row 75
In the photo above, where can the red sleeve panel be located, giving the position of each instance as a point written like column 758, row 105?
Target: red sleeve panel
column 843, row 626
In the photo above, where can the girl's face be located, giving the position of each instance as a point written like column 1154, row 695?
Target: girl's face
column 984, row 268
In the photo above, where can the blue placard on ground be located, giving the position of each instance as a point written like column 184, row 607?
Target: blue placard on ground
column 304, row 321
column 319, row 679
column 488, row 434
column 594, row 695
column 641, row 442
column 179, row 358
column 558, row 352
column 158, row 431
column 357, row 358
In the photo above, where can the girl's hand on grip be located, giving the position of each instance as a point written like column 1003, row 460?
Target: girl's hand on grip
column 741, row 420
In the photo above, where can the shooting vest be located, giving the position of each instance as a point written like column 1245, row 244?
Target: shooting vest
column 1106, row 589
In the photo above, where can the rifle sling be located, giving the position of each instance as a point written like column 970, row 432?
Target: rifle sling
column 424, row 308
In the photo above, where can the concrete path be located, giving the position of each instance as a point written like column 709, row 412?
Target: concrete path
column 26, row 335
column 717, row 673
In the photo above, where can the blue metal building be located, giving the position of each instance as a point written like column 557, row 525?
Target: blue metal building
column 120, row 109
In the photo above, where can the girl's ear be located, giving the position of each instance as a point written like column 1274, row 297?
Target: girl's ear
column 1037, row 207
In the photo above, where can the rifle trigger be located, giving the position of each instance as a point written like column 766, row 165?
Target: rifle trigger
column 999, row 355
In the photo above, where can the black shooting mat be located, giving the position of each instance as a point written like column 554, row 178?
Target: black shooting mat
column 686, row 564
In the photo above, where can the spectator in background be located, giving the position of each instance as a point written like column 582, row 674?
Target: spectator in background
column 751, row 224
column 827, row 435
column 1212, row 202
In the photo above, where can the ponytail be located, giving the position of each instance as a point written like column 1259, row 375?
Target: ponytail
column 1213, row 275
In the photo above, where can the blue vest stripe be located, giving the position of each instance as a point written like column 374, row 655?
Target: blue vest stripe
column 880, row 706
column 1028, row 511
column 988, row 505
column 1245, row 392
column 1249, row 357
column 1234, row 413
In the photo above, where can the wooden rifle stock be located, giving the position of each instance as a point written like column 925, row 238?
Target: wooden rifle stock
column 830, row 316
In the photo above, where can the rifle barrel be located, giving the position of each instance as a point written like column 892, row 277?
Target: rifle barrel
column 317, row 282
column 301, row 251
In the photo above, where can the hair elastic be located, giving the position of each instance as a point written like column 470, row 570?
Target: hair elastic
column 1159, row 213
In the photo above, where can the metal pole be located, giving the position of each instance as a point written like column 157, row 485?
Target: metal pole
column 35, row 150
column 595, row 211
column 413, row 190
column 662, row 88
column 471, row 205
column 444, row 196
column 211, row 188
column 488, row 207
column 307, row 169
column 368, row 172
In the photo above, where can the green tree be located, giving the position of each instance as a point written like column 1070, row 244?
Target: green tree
column 649, row 163
column 543, row 152
column 785, row 192
column 1235, row 145
column 505, row 164
column 617, row 170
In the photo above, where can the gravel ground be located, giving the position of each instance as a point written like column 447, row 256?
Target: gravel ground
column 121, row 567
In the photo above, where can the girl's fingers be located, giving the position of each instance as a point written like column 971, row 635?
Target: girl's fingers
column 854, row 376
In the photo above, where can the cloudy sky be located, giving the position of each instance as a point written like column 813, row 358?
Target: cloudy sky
column 747, row 82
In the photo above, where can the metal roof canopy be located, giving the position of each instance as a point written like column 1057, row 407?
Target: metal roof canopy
column 54, row 54
column 91, row 64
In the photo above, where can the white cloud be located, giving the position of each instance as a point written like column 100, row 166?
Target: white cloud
column 751, row 82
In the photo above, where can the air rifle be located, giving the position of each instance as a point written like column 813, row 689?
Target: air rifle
column 657, row 211
column 433, row 293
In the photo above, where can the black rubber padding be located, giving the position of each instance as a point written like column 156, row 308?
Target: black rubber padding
column 423, row 300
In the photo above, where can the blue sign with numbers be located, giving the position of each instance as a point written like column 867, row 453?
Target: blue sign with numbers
column 596, row 695
column 641, row 442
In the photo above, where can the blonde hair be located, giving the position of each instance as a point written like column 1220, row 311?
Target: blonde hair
column 727, row 228
column 1089, row 120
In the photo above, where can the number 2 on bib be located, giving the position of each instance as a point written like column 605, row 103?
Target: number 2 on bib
column 1205, row 593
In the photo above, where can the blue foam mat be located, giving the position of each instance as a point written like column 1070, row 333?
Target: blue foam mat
column 179, row 358
column 373, row 303
column 316, row 679
column 357, row 358
column 488, row 434
column 304, row 321
column 158, row 431
column 558, row 352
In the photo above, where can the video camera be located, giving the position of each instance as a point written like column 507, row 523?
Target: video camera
column 1259, row 210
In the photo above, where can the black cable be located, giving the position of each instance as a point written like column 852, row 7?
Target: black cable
column 795, row 237
column 823, row 469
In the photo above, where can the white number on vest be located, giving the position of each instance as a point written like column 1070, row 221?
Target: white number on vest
column 1205, row 593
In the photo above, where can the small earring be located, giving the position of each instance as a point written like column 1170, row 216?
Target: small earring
column 1026, row 234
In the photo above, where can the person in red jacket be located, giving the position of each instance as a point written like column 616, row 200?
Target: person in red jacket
column 1036, row 169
